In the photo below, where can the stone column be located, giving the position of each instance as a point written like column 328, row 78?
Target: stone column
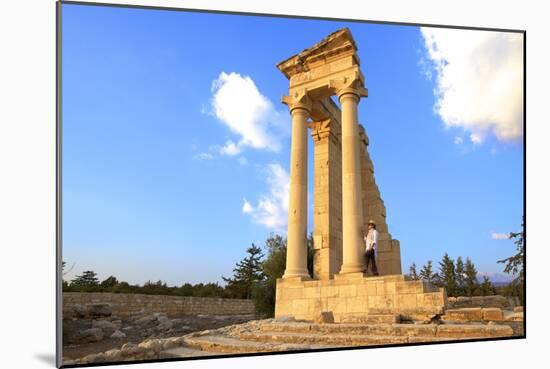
column 352, row 206
column 296, row 255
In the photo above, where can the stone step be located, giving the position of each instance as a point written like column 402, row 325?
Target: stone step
column 415, row 330
column 333, row 340
column 474, row 330
column 226, row 344
column 371, row 318
column 353, row 328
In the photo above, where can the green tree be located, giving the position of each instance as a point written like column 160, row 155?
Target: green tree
column 412, row 272
column 88, row 279
column 486, row 288
column 246, row 274
column 515, row 264
column 460, row 277
column 447, row 275
column 427, row 274
column 273, row 268
column 109, row 283
column 471, row 283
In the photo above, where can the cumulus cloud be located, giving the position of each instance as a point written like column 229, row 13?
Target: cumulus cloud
column 271, row 209
column 499, row 236
column 479, row 81
column 239, row 105
column 458, row 140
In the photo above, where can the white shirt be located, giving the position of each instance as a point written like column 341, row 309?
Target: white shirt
column 371, row 239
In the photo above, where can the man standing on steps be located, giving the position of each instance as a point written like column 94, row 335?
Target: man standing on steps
column 371, row 243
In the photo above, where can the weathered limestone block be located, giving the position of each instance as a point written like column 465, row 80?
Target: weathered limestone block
column 473, row 331
column 492, row 314
column 464, row 315
column 514, row 317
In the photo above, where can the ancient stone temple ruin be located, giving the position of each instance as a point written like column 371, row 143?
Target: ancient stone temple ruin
column 346, row 196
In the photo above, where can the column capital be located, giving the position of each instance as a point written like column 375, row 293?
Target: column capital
column 347, row 86
column 298, row 100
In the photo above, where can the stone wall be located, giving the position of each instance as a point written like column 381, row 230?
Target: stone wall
column 496, row 301
column 352, row 295
column 388, row 259
column 125, row 305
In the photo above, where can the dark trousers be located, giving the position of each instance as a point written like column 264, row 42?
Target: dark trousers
column 369, row 257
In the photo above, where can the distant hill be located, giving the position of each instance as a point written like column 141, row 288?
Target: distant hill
column 497, row 279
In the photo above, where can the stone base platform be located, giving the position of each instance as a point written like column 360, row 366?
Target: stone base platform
column 354, row 295
column 286, row 334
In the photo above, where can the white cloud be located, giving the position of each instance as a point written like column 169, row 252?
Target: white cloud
column 476, row 138
column 238, row 104
column 271, row 210
column 204, row 156
column 247, row 207
column 230, row 148
column 479, row 81
column 458, row 140
column 499, row 236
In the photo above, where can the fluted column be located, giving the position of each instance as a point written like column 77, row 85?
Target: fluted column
column 352, row 209
column 296, row 255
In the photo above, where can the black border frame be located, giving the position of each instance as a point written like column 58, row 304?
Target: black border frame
column 59, row 167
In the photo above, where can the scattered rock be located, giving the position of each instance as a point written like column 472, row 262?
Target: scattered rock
column 89, row 335
column 173, row 342
column 79, row 311
column 164, row 326
column 148, row 320
column 154, row 345
column 106, row 326
column 130, row 350
column 94, row 358
column 118, row 334
column 518, row 309
column 99, row 310
column 113, row 355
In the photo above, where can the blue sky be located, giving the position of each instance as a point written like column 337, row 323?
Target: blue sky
column 167, row 175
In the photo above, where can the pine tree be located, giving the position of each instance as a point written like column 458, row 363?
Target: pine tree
column 246, row 274
column 412, row 271
column 486, row 287
column 87, row 279
column 515, row 264
column 460, row 277
column 427, row 274
column 447, row 275
column 471, row 283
